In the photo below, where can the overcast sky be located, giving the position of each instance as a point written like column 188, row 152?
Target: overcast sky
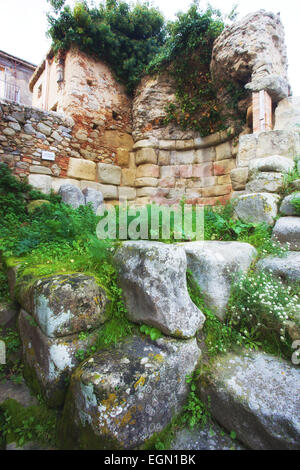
column 23, row 26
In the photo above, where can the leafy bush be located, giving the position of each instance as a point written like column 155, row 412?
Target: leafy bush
column 125, row 36
column 186, row 55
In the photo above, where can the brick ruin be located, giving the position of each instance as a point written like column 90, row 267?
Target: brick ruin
column 85, row 130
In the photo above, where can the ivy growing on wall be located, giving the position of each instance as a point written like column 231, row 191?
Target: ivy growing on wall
column 186, row 55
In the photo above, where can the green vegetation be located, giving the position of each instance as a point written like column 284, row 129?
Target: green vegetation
column 154, row 333
column 261, row 307
column 34, row 423
column 290, row 177
column 13, row 368
column 126, row 37
column 186, row 56
column 135, row 39
column 296, row 203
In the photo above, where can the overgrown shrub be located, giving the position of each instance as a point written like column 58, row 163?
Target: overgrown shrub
column 126, row 37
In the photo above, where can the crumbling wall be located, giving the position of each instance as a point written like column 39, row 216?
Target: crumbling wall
column 97, row 103
column 252, row 52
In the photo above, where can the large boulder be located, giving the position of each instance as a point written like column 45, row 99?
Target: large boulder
column 274, row 163
column 286, row 268
column 153, row 278
column 214, row 265
column 71, row 195
column 8, row 314
column 287, row 232
column 124, row 394
column 48, row 363
column 265, row 183
column 287, row 208
column 208, row 437
column 257, row 207
column 257, row 396
column 64, row 304
column 267, row 144
column 287, row 114
column 93, row 197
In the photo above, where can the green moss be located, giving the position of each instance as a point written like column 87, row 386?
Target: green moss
column 34, row 423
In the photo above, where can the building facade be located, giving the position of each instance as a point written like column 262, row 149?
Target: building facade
column 15, row 74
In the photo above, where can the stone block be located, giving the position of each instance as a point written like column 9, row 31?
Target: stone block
column 223, row 151
column 223, row 167
column 147, row 170
column 146, row 155
column 128, row 177
column 42, row 183
column 127, row 193
column 82, row 169
column 109, row 174
column 140, row 182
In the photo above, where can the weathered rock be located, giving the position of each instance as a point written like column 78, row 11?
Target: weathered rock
column 44, row 129
column 94, row 197
column 35, row 204
column 249, row 51
column 267, row 144
column 265, row 183
column 287, row 231
column 153, row 278
column 18, row 392
column 50, row 362
column 287, row 208
column 257, row 208
column 64, row 304
column 286, row 268
column 274, row 163
column 257, row 396
column 41, row 182
column 109, row 174
column 214, row 265
column 71, row 195
column 284, row 143
column 40, row 170
column 287, row 114
column 8, row 314
column 208, row 437
column 126, row 393
column 239, row 177
column 296, row 185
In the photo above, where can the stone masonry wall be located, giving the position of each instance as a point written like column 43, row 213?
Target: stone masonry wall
column 164, row 171
column 197, row 170
column 26, row 132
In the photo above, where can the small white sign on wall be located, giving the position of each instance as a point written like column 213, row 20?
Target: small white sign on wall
column 48, row 155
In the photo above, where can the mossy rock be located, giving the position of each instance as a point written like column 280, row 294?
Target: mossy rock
column 33, row 205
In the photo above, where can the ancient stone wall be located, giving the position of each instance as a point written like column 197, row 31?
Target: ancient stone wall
column 197, row 170
column 26, row 133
